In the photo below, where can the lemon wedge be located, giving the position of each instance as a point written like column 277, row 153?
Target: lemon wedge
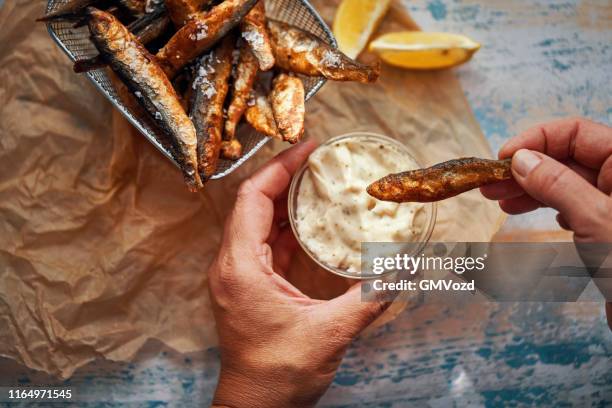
column 423, row 50
column 355, row 22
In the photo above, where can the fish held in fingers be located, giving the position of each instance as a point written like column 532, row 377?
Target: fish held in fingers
column 244, row 79
column 255, row 32
column 143, row 76
column 210, row 87
column 441, row 181
column 200, row 33
column 298, row 51
column 259, row 115
column 287, row 100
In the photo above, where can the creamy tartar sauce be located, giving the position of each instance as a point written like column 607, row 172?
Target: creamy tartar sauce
column 334, row 212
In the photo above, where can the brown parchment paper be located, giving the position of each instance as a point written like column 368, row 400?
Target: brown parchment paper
column 101, row 246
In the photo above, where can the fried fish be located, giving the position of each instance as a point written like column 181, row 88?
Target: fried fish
column 255, row 32
column 441, row 181
column 182, row 10
column 298, row 51
column 259, row 114
column 143, row 76
column 200, row 33
column 210, row 86
column 146, row 29
column 244, row 79
column 287, row 99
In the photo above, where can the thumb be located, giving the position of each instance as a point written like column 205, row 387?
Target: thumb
column 354, row 311
column 584, row 208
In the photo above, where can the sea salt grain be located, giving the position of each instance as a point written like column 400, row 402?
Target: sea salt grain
column 204, row 69
column 254, row 38
column 208, row 88
column 331, row 59
column 201, row 32
column 138, row 94
column 158, row 116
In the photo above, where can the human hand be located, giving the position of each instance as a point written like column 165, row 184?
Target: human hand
column 279, row 348
column 566, row 165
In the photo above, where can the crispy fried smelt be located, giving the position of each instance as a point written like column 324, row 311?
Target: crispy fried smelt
column 441, row 181
column 255, row 32
column 244, row 79
column 71, row 7
column 259, row 115
column 210, row 87
column 200, row 33
column 139, row 71
column 297, row 51
column 147, row 28
column 182, row 10
column 287, row 100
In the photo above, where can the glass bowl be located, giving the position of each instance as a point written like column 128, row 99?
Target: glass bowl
column 425, row 222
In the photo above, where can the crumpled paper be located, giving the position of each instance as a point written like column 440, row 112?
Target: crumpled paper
column 101, row 246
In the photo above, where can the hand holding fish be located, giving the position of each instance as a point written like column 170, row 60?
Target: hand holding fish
column 566, row 165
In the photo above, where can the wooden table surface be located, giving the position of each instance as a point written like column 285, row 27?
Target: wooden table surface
column 542, row 59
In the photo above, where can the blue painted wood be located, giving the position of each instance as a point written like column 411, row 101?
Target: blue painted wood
column 542, row 59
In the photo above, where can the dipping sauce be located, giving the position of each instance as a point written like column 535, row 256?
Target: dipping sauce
column 334, row 213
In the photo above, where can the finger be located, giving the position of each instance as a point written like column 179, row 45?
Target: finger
column 504, row 190
column 274, row 177
column 604, row 180
column 281, row 216
column 254, row 210
column 588, row 143
column 583, row 207
column 519, row 205
column 508, row 189
column 562, row 223
column 586, row 173
column 281, row 210
column 351, row 313
column 284, row 248
column 274, row 231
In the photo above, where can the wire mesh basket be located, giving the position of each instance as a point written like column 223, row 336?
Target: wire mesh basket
column 76, row 44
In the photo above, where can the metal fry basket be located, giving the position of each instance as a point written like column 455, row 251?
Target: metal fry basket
column 76, row 44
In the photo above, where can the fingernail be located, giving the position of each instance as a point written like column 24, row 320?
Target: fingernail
column 524, row 161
